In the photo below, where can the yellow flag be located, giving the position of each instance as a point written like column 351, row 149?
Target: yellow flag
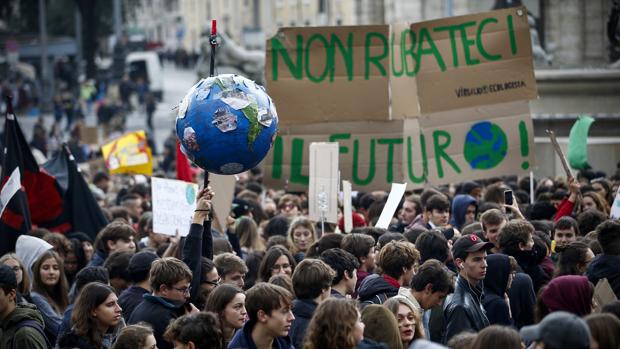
column 129, row 153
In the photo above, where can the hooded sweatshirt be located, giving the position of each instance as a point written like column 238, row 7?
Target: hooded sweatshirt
column 29, row 249
column 571, row 293
column 459, row 209
column 495, row 283
column 25, row 337
column 375, row 290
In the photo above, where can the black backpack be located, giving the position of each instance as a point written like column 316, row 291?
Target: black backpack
column 32, row 324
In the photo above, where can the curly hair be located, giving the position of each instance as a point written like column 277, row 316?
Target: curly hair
column 333, row 325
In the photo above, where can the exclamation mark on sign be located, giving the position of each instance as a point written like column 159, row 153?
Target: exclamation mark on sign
column 525, row 145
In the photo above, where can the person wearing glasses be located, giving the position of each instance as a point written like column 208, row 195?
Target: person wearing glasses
column 277, row 260
column 170, row 281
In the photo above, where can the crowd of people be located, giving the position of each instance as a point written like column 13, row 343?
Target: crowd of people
column 458, row 267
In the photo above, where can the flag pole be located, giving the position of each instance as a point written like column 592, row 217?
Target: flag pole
column 213, row 43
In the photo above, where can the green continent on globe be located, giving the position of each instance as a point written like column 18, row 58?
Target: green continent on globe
column 485, row 145
column 251, row 113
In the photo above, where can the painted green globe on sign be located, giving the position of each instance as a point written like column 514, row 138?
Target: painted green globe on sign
column 226, row 124
column 485, row 145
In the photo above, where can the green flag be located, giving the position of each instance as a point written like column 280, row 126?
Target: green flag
column 578, row 143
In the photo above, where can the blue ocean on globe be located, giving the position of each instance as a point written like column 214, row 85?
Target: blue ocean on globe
column 485, row 145
column 226, row 124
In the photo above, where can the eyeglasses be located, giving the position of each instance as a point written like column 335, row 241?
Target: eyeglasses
column 214, row 283
column 184, row 290
column 287, row 206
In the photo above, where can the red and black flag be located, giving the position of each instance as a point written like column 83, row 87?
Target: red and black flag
column 80, row 207
column 29, row 196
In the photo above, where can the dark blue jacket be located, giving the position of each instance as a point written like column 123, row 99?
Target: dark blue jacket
column 98, row 259
column 243, row 340
column 303, row 309
column 605, row 266
column 157, row 312
column 130, row 298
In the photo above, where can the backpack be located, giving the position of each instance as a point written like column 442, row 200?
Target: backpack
column 32, row 324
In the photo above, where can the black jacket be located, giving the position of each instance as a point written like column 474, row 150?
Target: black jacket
column 605, row 266
column 528, row 262
column 303, row 309
column 495, row 284
column 522, row 300
column 375, row 290
column 130, row 298
column 463, row 310
column 157, row 312
column 72, row 340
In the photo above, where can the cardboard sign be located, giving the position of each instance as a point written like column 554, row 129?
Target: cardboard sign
column 335, row 74
column 317, row 74
column 90, row 135
column 224, row 188
column 323, row 185
column 174, row 203
column 478, row 59
column 603, row 294
column 129, row 153
column 475, row 143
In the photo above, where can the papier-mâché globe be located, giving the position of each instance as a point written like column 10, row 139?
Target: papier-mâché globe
column 226, row 124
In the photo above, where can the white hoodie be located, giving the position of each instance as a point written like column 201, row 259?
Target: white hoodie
column 29, row 249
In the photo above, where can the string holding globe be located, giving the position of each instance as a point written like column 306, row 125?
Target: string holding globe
column 226, row 124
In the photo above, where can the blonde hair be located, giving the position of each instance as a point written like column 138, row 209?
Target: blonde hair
column 24, row 286
column 393, row 303
column 247, row 230
column 300, row 222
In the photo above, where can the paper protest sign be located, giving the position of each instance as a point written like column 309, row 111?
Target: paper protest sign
column 174, row 203
column 129, row 153
column 348, row 218
column 323, row 182
column 615, row 207
column 396, row 194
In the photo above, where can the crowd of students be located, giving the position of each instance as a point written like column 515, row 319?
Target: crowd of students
column 457, row 268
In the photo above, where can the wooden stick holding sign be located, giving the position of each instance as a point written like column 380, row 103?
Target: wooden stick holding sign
column 569, row 174
column 558, row 150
